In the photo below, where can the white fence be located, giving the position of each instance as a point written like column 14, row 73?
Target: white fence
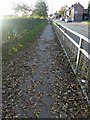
column 77, row 50
column 75, row 46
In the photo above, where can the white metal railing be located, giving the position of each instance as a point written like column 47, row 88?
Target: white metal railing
column 79, row 46
column 77, row 34
column 62, row 35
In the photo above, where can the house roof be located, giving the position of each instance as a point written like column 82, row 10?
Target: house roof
column 80, row 5
column 74, row 6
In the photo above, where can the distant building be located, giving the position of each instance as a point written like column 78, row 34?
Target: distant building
column 75, row 12
column 85, row 14
column 88, row 15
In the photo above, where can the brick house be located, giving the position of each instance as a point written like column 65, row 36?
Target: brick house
column 75, row 12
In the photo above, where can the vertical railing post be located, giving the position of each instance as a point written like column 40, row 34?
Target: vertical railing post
column 64, row 35
column 78, row 55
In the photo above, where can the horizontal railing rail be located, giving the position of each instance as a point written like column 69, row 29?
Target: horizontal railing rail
column 81, row 36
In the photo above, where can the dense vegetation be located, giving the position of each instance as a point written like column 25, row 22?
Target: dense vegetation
column 18, row 32
column 41, row 9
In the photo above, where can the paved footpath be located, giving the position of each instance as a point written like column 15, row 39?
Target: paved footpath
column 39, row 83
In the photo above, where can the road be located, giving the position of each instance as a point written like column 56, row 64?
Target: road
column 78, row 27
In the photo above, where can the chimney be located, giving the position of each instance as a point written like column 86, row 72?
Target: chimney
column 78, row 2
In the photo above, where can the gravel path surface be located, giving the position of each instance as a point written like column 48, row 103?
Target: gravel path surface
column 39, row 83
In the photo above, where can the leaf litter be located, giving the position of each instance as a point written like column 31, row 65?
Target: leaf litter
column 39, row 82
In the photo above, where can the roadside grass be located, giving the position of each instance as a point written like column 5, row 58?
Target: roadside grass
column 87, row 22
column 21, row 33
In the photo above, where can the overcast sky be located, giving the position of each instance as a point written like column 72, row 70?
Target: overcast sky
column 54, row 5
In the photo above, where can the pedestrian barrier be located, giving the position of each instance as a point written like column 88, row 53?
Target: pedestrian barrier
column 77, row 50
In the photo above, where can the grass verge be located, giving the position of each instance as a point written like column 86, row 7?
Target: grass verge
column 86, row 22
column 22, row 40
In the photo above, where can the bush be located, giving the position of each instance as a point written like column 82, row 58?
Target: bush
column 17, row 32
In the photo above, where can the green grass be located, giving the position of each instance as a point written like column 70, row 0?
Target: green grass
column 17, row 33
column 86, row 22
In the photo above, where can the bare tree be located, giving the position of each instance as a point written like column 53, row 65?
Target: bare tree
column 21, row 8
